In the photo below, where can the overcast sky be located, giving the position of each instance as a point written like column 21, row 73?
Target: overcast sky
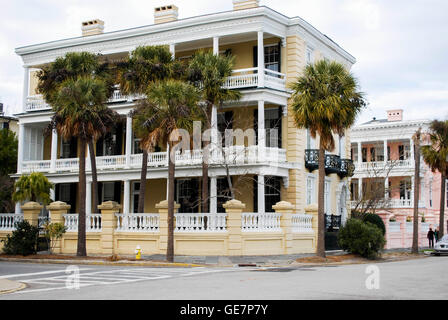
column 401, row 46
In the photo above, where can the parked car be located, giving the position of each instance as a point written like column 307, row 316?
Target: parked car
column 441, row 246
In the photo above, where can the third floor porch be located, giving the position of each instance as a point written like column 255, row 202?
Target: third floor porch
column 259, row 63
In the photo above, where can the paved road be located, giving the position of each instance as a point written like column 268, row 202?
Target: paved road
column 413, row 279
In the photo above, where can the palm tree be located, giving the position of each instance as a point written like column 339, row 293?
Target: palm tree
column 171, row 105
column 209, row 72
column 145, row 65
column 325, row 101
column 75, row 65
column 33, row 187
column 436, row 156
column 416, row 137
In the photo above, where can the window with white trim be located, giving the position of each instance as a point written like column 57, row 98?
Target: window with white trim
column 327, row 197
column 272, row 57
column 309, row 55
column 310, row 189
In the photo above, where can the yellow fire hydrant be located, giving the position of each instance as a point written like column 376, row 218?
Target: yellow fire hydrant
column 138, row 253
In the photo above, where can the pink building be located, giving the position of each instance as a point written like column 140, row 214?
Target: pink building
column 383, row 153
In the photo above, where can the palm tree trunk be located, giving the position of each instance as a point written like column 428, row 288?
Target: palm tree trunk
column 416, row 193
column 205, row 160
column 81, row 251
column 94, row 177
column 141, row 195
column 320, row 250
column 442, row 206
column 170, row 244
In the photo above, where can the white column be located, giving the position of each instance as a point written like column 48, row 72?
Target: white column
column 26, row 82
column 173, row 50
column 53, row 193
column 261, row 131
column 412, row 190
column 89, row 198
column 359, row 153
column 54, row 150
column 18, row 210
column 127, row 197
column 386, row 188
column 216, row 45
column 359, row 189
column 128, row 141
column 260, row 194
column 260, row 60
column 385, row 150
column 21, row 147
column 213, row 195
column 411, row 146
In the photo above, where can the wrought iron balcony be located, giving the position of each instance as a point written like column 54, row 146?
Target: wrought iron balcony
column 332, row 222
column 311, row 159
column 332, row 161
column 347, row 168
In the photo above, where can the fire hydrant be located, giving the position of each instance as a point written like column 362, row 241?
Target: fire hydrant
column 138, row 253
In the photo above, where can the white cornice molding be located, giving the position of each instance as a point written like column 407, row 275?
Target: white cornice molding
column 189, row 29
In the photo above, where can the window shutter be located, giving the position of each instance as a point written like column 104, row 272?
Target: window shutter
column 74, row 148
column 255, row 56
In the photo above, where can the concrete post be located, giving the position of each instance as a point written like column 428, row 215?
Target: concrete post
column 31, row 212
column 163, row 224
column 108, row 225
column 285, row 209
column 57, row 210
column 234, row 209
column 401, row 217
column 312, row 210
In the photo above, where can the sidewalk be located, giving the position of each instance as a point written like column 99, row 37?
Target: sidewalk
column 8, row 286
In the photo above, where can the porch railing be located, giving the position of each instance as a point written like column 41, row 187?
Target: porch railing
column 93, row 222
column 232, row 155
column 8, row 220
column 138, row 222
column 200, row 222
column 301, row 223
column 260, row 222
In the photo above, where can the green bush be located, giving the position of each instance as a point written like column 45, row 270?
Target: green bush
column 363, row 238
column 376, row 220
column 23, row 240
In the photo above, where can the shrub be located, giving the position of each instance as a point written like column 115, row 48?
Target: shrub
column 53, row 232
column 363, row 238
column 23, row 239
column 376, row 220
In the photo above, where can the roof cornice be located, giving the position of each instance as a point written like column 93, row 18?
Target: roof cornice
column 183, row 23
column 391, row 125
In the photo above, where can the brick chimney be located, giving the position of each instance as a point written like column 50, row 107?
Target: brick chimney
column 92, row 27
column 245, row 4
column 165, row 14
column 395, row 115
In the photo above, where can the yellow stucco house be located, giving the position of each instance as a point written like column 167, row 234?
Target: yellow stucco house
column 270, row 51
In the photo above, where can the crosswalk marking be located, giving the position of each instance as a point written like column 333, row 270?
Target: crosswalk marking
column 92, row 276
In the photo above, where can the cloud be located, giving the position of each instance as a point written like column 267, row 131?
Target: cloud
column 399, row 45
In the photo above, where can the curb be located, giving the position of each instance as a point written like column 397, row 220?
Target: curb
column 100, row 262
column 20, row 287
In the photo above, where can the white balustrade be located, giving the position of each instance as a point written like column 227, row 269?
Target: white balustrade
column 260, row 222
column 71, row 164
column 200, row 222
column 137, row 222
column 234, row 155
column 36, row 166
column 301, row 222
column 8, row 220
column 111, row 162
column 36, row 103
column 93, row 222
